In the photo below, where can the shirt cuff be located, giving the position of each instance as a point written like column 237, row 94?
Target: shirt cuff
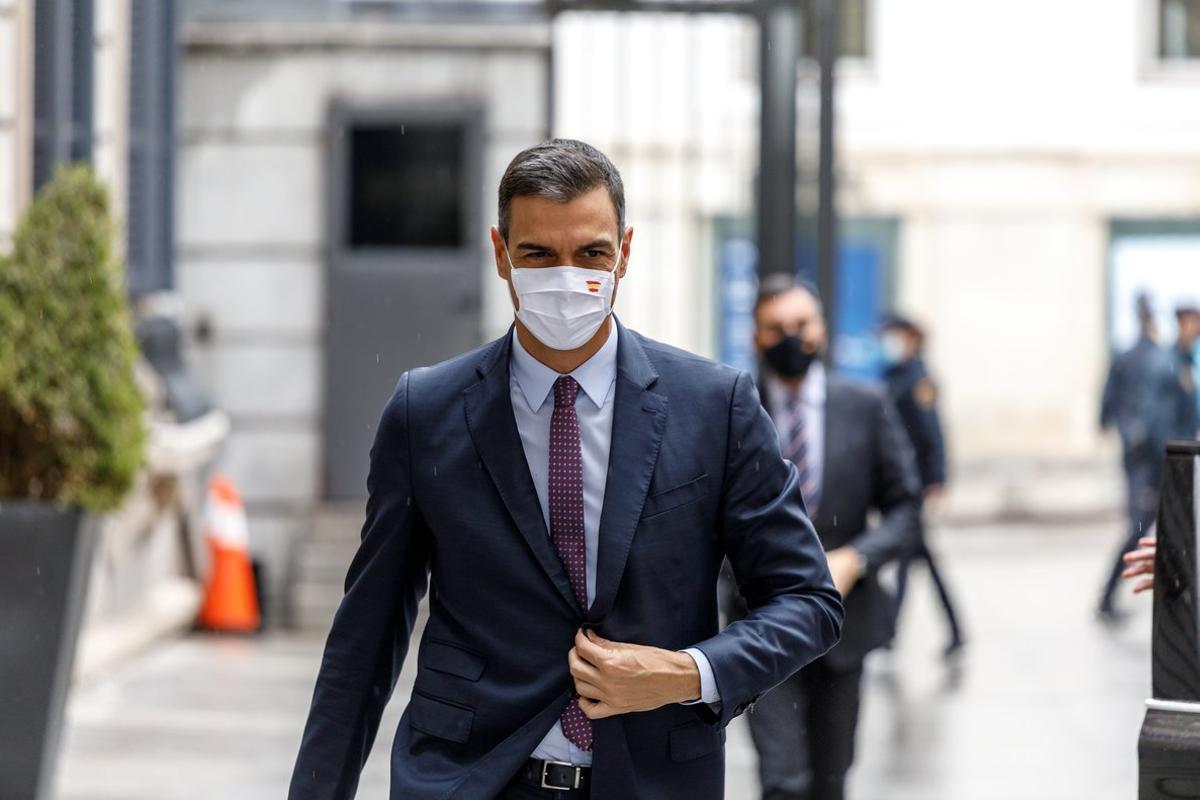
column 708, row 683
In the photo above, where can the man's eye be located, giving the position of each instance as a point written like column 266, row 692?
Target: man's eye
column 594, row 253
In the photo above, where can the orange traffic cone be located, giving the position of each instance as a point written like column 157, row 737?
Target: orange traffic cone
column 230, row 603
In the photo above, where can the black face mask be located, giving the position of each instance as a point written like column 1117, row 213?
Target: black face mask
column 788, row 357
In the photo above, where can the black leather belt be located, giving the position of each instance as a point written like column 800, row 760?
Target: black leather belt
column 557, row 776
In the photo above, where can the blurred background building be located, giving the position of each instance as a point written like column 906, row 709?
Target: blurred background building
column 305, row 186
column 1004, row 178
column 94, row 82
column 314, row 184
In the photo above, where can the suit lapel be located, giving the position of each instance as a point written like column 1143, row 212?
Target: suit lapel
column 493, row 428
column 639, row 419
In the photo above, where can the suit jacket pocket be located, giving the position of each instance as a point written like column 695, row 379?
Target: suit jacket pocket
column 452, row 659
column 676, row 496
column 440, row 719
column 693, row 740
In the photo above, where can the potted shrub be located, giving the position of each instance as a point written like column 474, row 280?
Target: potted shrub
column 71, row 441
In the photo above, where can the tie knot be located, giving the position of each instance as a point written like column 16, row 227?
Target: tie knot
column 565, row 390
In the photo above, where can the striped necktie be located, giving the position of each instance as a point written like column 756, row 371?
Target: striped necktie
column 796, row 450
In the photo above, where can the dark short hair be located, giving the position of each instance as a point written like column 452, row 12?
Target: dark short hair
column 895, row 321
column 560, row 170
column 780, row 283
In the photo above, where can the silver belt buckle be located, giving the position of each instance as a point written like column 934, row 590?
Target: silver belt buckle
column 546, row 768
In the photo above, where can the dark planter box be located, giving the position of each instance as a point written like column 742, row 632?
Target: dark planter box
column 45, row 560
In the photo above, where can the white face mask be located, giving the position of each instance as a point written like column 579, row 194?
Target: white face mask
column 893, row 348
column 563, row 307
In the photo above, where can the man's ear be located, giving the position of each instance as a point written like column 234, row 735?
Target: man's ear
column 501, row 251
column 626, row 251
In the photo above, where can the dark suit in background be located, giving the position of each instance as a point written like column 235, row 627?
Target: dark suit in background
column 804, row 729
column 1187, row 413
column 695, row 476
column 1141, row 401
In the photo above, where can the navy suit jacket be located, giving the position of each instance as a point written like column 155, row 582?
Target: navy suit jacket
column 695, row 475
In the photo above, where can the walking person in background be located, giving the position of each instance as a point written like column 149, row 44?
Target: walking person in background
column 1140, row 400
column 1139, row 563
column 853, row 459
column 915, row 396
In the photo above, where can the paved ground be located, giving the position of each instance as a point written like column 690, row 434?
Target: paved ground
column 1046, row 704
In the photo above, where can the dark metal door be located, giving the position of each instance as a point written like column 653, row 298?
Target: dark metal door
column 403, row 286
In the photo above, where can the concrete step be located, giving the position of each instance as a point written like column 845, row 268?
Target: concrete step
column 319, row 557
column 313, row 607
column 1026, row 489
column 338, row 523
column 321, row 562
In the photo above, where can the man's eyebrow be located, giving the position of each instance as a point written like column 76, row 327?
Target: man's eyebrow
column 533, row 246
column 596, row 244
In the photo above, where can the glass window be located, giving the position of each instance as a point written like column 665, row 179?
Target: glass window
column 1179, row 29
column 406, row 185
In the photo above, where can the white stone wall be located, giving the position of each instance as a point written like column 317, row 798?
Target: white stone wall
column 15, row 103
column 1003, row 135
column 110, row 106
column 1006, row 136
column 672, row 100
column 110, row 143
column 254, row 101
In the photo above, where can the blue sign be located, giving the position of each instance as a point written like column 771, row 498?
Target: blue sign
column 738, row 285
column 862, row 296
column 860, row 305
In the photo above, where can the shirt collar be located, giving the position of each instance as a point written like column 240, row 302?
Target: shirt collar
column 812, row 389
column 594, row 376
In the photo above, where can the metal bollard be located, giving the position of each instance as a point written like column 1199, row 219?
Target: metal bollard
column 1169, row 745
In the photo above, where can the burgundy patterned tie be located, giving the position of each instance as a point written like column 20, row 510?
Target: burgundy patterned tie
column 566, row 524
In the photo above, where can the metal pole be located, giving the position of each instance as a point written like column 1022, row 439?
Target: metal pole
column 828, row 40
column 779, row 27
column 551, row 9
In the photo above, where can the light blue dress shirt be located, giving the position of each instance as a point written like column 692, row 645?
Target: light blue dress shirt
column 531, row 384
column 811, row 405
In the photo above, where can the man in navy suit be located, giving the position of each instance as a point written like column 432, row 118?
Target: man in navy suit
column 568, row 492
column 861, row 486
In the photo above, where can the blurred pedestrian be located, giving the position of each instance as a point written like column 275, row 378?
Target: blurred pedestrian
column 915, row 397
column 1187, row 320
column 853, row 459
column 1140, row 400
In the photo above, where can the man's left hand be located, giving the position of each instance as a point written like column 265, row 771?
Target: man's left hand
column 618, row 678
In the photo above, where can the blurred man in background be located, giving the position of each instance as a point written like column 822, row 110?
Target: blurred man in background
column 1139, row 563
column 1187, row 320
column 853, row 458
column 1140, row 400
column 915, row 395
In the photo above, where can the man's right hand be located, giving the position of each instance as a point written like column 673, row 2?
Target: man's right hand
column 1141, row 562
